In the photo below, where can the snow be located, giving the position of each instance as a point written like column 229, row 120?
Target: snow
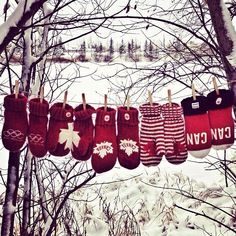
column 231, row 32
column 151, row 198
column 15, row 17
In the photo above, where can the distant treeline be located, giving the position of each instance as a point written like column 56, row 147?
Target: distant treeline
column 100, row 52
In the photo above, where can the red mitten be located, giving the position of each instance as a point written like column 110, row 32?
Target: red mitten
column 197, row 126
column 221, row 120
column 38, row 121
column 15, row 124
column 84, row 125
column 128, row 137
column 104, row 147
column 151, row 135
column 60, row 129
column 174, row 134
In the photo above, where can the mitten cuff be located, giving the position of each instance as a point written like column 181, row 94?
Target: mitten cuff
column 129, row 117
column 37, row 108
column 15, row 104
column 194, row 107
column 148, row 110
column 81, row 114
column 171, row 111
column 106, row 118
column 223, row 100
column 57, row 112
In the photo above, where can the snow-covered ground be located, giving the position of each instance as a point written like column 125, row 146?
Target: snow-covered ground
column 149, row 202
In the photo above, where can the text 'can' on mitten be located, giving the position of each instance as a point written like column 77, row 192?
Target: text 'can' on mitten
column 197, row 126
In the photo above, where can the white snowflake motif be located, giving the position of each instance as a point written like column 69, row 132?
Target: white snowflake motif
column 129, row 146
column 103, row 148
column 69, row 137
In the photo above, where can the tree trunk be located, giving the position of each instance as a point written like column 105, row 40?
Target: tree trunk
column 224, row 41
column 14, row 30
column 11, row 194
column 27, row 194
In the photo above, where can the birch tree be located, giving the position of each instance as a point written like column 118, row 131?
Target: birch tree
column 35, row 25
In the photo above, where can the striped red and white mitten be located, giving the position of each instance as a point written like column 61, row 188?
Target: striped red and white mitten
column 174, row 133
column 151, row 135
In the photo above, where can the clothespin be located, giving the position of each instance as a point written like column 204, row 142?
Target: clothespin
column 169, row 96
column 193, row 91
column 16, row 88
column 41, row 94
column 105, row 102
column 84, row 101
column 128, row 103
column 215, row 86
column 65, row 99
column 150, row 98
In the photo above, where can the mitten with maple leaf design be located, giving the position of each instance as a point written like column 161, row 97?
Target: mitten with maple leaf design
column 84, row 125
column 60, row 131
column 197, row 126
column 174, row 133
column 15, row 125
column 220, row 117
column 38, row 126
column 128, row 137
column 105, row 147
column 151, row 135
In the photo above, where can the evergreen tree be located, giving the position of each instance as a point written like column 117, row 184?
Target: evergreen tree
column 100, row 48
column 150, row 51
column 111, row 47
column 83, row 48
column 122, row 48
column 130, row 50
column 146, row 49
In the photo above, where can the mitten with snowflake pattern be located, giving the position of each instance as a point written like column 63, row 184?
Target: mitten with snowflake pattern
column 128, row 137
column 105, row 146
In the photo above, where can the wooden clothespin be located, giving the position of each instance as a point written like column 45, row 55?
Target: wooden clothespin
column 193, row 92
column 150, row 98
column 215, row 86
column 105, row 102
column 65, row 99
column 41, row 95
column 16, row 88
column 128, row 103
column 84, row 101
column 169, row 96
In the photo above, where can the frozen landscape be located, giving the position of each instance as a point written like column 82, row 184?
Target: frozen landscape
column 133, row 49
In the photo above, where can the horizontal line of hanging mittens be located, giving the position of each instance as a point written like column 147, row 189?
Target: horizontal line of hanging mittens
column 207, row 123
